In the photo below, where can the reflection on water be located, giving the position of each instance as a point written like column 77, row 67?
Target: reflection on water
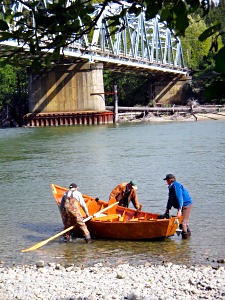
column 98, row 158
column 118, row 252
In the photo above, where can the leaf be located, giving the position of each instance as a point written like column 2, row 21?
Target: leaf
column 205, row 6
column 18, row 14
column 182, row 21
column 209, row 32
column 36, row 64
column 34, row 4
column 5, row 36
column 90, row 8
column 3, row 25
column 48, row 59
column 165, row 14
column 214, row 46
column 193, row 4
column 32, row 47
column 220, row 60
column 151, row 11
column 134, row 9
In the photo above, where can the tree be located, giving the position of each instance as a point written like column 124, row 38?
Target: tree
column 7, row 85
column 193, row 49
column 209, row 75
column 13, row 91
column 215, row 15
column 132, row 88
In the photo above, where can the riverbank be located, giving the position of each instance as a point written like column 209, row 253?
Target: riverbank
column 167, row 281
column 164, row 117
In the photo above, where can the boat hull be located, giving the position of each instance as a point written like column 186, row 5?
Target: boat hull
column 120, row 223
column 131, row 230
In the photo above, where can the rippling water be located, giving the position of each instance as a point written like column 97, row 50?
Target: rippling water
column 97, row 158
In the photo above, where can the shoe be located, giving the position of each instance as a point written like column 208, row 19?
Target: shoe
column 88, row 238
column 185, row 235
column 66, row 239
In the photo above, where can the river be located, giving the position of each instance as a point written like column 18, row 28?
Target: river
column 98, row 158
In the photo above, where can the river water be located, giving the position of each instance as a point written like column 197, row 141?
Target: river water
column 97, row 158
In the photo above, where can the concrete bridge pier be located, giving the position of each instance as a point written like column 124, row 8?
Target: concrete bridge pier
column 170, row 90
column 67, row 90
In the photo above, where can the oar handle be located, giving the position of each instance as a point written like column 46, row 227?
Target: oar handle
column 100, row 212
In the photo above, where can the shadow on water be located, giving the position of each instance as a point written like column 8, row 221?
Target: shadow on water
column 39, row 231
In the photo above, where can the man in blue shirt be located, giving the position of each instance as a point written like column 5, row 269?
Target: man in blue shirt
column 180, row 199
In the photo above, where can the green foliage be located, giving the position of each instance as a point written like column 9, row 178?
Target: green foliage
column 209, row 32
column 215, row 92
column 175, row 12
column 208, row 82
column 7, row 85
column 216, row 14
column 193, row 49
column 13, row 91
column 132, row 89
column 209, row 72
column 219, row 60
column 44, row 31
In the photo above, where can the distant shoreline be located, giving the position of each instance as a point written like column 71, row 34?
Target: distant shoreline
column 168, row 113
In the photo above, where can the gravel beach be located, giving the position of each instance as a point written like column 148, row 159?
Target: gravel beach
column 166, row 281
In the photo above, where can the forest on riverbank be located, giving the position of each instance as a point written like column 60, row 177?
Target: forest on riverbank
column 207, row 85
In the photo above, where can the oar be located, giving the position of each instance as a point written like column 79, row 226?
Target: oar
column 40, row 244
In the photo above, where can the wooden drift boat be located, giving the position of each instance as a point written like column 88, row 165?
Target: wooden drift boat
column 121, row 223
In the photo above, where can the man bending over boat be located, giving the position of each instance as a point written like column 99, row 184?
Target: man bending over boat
column 180, row 199
column 70, row 212
column 126, row 193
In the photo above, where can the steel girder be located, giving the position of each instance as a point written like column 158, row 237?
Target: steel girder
column 141, row 42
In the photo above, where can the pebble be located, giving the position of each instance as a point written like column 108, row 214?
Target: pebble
column 123, row 282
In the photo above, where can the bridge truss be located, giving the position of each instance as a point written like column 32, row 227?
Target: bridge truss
column 143, row 45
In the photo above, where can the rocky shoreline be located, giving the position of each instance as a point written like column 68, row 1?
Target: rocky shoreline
column 150, row 282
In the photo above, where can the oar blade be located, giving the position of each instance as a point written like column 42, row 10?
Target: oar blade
column 35, row 247
column 40, row 244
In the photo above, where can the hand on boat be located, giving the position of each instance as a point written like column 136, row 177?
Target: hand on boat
column 166, row 215
column 179, row 213
column 140, row 207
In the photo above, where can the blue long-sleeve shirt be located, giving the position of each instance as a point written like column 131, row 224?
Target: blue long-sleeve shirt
column 178, row 196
